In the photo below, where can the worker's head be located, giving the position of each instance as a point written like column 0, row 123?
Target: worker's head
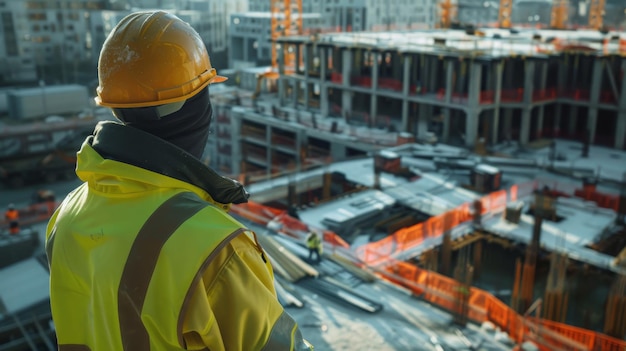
column 154, row 72
column 11, row 207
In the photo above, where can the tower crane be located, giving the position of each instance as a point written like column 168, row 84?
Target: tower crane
column 504, row 13
column 286, row 19
column 596, row 14
column 447, row 13
column 558, row 18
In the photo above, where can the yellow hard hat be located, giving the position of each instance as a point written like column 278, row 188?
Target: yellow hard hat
column 152, row 58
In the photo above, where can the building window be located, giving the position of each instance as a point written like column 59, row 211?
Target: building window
column 37, row 16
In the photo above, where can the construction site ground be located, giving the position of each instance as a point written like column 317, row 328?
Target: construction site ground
column 339, row 309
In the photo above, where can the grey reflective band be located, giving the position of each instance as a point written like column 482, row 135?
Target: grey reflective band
column 74, row 347
column 284, row 333
column 50, row 244
column 142, row 261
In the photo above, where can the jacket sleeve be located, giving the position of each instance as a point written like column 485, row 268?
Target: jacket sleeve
column 235, row 306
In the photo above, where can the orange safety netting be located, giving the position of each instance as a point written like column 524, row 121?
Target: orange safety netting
column 445, row 293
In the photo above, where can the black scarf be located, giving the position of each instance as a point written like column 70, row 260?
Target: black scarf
column 187, row 128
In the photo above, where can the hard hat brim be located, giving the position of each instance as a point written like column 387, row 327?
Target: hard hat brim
column 218, row 79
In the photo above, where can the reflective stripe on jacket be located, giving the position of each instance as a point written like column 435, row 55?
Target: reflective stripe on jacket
column 142, row 261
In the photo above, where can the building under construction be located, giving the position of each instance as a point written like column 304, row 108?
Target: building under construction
column 537, row 250
column 430, row 217
column 350, row 93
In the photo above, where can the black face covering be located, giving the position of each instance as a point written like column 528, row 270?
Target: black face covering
column 187, row 128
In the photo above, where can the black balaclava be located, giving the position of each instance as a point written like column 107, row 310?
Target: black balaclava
column 187, row 128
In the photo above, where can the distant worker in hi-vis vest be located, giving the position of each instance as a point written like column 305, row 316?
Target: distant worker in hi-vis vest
column 143, row 255
column 12, row 216
column 314, row 243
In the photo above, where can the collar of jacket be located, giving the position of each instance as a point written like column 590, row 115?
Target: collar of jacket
column 113, row 141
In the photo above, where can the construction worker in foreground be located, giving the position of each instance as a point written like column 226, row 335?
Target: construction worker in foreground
column 12, row 216
column 314, row 243
column 143, row 255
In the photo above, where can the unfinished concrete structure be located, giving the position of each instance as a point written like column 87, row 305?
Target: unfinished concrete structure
column 494, row 84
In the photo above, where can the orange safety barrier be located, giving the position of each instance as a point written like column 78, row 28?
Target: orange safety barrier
column 602, row 200
column 498, row 200
column 334, row 239
column 513, row 193
column 409, row 237
column 444, row 292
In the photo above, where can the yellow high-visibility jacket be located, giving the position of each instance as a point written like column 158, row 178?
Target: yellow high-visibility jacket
column 144, row 257
column 313, row 241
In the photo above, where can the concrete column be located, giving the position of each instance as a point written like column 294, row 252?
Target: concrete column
column 236, row 152
column 562, row 77
column 373, row 107
column 620, row 130
column 448, row 99
column 473, row 97
column 346, row 69
column 524, row 137
column 557, row 120
column 406, row 80
column 573, row 118
column 374, row 88
column 473, row 110
column 245, row 49
column 432, row 72
column 447, row 116
column 423, row 76
column 422, row 121
column 471, row 126
column 307, row 58
column 529, row 75
column 508, row 123
column 542, row 85
column 298, row 54
column 496, row 112
column 449, row 74
column 295, row 87
column 375, row 69
column 346, row 95
column 596, row 85
column 529, row 80
column 561, row 86
column 282, row 81
column 323, row 87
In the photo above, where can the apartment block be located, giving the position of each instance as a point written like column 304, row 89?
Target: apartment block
column 60, row 41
